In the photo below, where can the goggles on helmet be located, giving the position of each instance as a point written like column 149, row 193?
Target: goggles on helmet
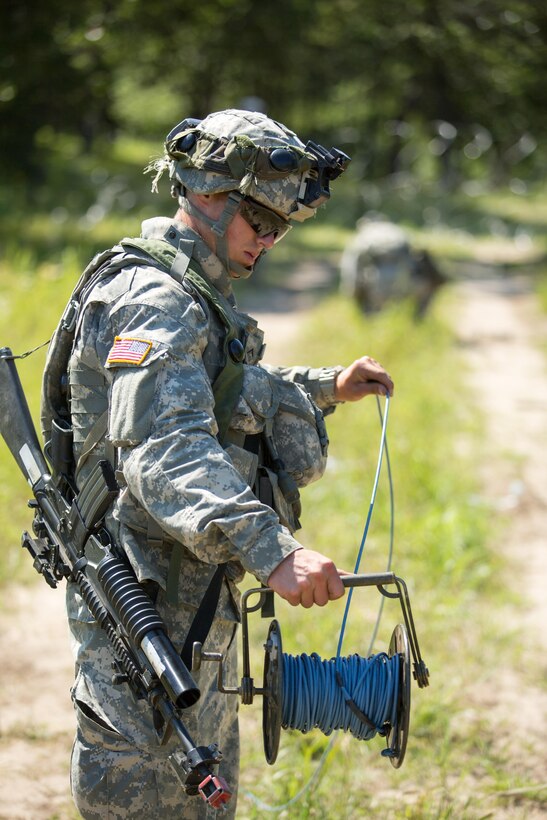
column 327, row 165
column 262, row 220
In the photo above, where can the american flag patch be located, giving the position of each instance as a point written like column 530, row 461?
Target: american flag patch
column 128, row 351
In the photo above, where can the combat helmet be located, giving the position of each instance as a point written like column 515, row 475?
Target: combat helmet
column 255, row 160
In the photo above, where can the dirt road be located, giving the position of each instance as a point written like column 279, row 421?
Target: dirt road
column 500, row 330
column 504, row 336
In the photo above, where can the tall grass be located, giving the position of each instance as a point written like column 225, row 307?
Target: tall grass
column 542, row 288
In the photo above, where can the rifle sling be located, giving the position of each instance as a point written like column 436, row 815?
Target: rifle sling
column 204, row 616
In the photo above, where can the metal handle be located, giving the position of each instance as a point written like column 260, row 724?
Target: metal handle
column 369, row 580
column 374, row 579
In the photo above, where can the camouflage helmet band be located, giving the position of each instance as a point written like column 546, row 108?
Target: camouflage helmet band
column 237, row 156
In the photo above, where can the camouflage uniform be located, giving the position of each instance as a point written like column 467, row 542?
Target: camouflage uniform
column 179, row 487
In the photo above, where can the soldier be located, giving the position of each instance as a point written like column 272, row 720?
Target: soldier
column 379, row 264
column 210, row 445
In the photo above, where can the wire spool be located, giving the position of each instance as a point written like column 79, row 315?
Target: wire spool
column 305, row 692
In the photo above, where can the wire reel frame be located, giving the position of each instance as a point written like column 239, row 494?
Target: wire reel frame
column 404, row 642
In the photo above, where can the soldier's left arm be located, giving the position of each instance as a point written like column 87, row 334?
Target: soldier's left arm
column 329, row 386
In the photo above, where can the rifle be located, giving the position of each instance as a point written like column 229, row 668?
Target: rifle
column 145, row 657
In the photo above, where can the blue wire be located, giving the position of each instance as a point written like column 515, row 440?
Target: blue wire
column 374, row 634
column 367, row 523
column 314, row 699
column 316, row 692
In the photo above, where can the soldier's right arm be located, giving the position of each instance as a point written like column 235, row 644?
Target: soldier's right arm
column 161, row 417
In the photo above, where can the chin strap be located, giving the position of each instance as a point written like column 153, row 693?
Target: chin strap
column 219, row 228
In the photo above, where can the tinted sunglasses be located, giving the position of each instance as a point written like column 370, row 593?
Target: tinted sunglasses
column 262, row 220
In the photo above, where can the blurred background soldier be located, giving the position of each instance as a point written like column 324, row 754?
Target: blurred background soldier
column 379, row 264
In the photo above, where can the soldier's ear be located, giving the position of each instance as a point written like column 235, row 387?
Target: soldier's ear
column 210, row 203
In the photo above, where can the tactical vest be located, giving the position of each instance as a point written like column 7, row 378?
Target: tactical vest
column 273, row 484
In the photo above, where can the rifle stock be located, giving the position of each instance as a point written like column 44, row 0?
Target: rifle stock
column 145, row 657
column 16, row 425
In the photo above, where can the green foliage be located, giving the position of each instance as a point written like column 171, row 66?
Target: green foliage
column 445, row 89
column 542, row 287
column 52, row 74
column 31, row 302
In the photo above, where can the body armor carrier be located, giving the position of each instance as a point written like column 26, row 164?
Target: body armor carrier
column 272, row 483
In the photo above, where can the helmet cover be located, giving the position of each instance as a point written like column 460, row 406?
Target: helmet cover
column 247, row 151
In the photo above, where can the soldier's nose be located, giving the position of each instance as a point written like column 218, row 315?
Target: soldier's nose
column 267, row 241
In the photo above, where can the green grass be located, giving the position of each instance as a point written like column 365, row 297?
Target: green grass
column 31, row 305
column 542, row 288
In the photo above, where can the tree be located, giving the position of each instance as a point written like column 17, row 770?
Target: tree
column 52, row 74
column 458, row 79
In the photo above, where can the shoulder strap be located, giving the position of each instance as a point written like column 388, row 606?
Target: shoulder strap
column 160, row 251
column 229, row 382
column 54, row 403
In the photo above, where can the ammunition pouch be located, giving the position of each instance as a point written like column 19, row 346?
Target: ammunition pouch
column 299, row 433
column 277, row 441
column 59, row 448
column 293, row 426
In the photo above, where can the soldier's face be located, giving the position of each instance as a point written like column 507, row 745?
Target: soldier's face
column 244, row 244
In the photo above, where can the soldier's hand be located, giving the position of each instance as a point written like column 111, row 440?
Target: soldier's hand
column 365, row 377
column 306, row 577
